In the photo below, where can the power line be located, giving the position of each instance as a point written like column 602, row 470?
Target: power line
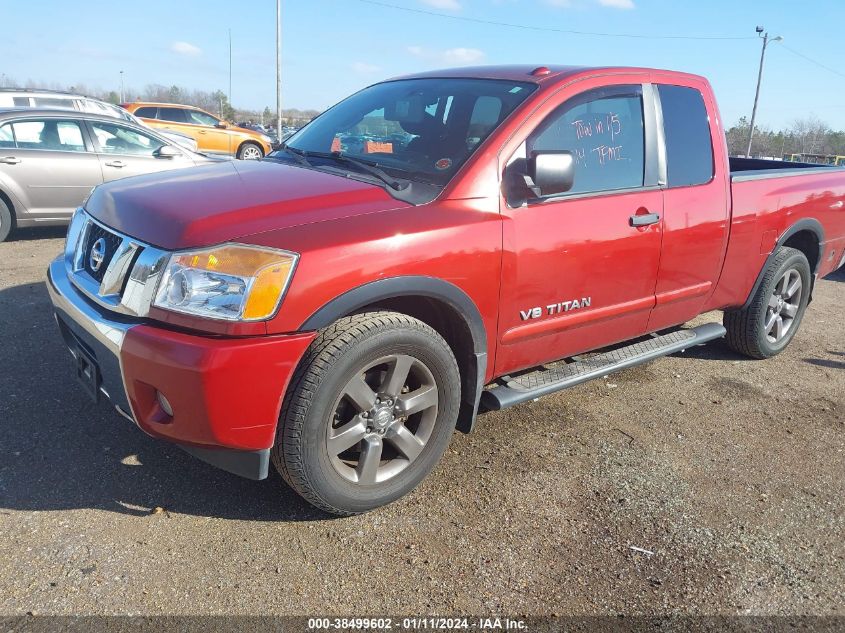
column 528, row 27
column 812, row 61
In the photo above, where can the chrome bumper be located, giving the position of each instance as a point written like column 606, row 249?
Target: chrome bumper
column 82, row 325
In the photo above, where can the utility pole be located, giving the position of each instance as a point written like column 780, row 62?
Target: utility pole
column 230, row 69
column 279, row 69
column 122, row 100
column 765, row 37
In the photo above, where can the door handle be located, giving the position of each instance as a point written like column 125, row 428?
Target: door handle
column 116, row 163
column 644, row 219
column 10, row 160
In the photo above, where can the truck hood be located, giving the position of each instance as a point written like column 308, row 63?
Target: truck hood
column 215, row 203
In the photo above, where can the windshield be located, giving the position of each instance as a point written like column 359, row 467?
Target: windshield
column 419, row 129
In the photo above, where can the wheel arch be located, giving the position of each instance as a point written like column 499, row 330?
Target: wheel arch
column 440, row 304
column 249, row 141
column 807, row 236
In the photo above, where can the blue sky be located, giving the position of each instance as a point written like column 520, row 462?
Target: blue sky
column 333, row 47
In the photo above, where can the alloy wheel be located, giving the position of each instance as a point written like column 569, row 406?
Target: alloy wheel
column 783, row 306
column 383, row 419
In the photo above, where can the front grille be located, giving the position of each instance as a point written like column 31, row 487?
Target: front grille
column 112, row 243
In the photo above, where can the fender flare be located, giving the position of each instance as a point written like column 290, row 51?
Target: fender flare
column 419, row 286
column 806, row 224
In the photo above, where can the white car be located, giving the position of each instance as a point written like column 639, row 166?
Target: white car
column 24, row 98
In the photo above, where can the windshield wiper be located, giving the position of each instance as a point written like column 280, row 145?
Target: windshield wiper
column 298, row 154
column 302, row 157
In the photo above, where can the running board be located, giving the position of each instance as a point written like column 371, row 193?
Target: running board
column 509, row 391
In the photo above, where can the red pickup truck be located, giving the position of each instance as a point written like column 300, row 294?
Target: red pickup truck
column 431, row 247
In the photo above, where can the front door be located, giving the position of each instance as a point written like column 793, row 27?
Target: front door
column 125, row 151
column 580, row 268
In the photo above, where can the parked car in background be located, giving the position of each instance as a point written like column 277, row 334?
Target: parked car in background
column 22, row 98
column 50, row 159
column 213, row 135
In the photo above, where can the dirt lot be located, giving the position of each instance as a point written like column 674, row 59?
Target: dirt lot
column 731, row 472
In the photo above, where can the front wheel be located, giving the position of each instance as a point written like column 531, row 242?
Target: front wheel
column 250, row 151
column 768, row 324
column 369, row 412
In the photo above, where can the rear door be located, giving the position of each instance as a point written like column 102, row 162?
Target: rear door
column 695, row 199
column 577, row 273
column 49, row 164
column 126, row 151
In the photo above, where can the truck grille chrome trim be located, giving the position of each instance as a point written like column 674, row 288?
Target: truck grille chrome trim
column 114, row 270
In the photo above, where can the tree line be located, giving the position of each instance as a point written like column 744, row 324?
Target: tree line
column 808, row 135
column 215, row 101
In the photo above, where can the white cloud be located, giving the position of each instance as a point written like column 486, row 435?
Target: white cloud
column 462, row 55
column 365, row 68
column 617, row 4
column 450, row 56
column 184, row 48
column 448, row 5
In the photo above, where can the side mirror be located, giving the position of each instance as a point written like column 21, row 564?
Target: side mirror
column 167, row 151
column 222, row 125
column 550, row 172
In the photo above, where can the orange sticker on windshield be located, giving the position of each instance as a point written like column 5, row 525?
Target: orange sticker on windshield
column 336, row 147
column 443, row 163
column 378, row 147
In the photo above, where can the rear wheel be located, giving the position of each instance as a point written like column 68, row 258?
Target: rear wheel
column 369, row 412
column 7, row 220
column 769, row 323
column 250, row 151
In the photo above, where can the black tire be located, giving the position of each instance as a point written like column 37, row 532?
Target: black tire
column 317, row 393
column 747, row 332
column 250, row 148
column 7, row 221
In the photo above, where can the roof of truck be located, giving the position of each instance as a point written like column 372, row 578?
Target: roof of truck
column 533, row 72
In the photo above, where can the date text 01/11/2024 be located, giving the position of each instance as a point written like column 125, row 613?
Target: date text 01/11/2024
column 417, row 623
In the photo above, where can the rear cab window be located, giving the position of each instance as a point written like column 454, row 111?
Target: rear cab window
column 686, row 127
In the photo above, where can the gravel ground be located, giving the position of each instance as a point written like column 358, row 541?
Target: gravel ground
column 729, row 472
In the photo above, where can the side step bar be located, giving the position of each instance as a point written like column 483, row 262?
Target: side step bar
column 516, row 390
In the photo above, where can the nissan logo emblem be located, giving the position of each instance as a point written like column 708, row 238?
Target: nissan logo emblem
column 98, row 254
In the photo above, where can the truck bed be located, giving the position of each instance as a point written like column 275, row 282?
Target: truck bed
column 756, row 168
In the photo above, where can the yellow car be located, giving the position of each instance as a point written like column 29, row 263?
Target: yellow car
column 213, row 135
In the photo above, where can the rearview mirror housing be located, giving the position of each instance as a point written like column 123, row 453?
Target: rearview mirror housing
column 551, row 172
column 222, row 125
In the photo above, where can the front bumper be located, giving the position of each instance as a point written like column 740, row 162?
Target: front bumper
column 225, row 393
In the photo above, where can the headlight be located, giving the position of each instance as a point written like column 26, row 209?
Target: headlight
column 234, row 282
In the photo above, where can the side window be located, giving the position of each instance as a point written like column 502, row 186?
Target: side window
column 177, row 115
column 65, row 136
column 689, row 150
column 200, row 118
column 116, row 139
column 604, row 130
column 21, row 102
column 146, row 112
column 7, row 140
column 50, row 102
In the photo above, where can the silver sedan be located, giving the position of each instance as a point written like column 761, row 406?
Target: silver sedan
column 51, row 159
